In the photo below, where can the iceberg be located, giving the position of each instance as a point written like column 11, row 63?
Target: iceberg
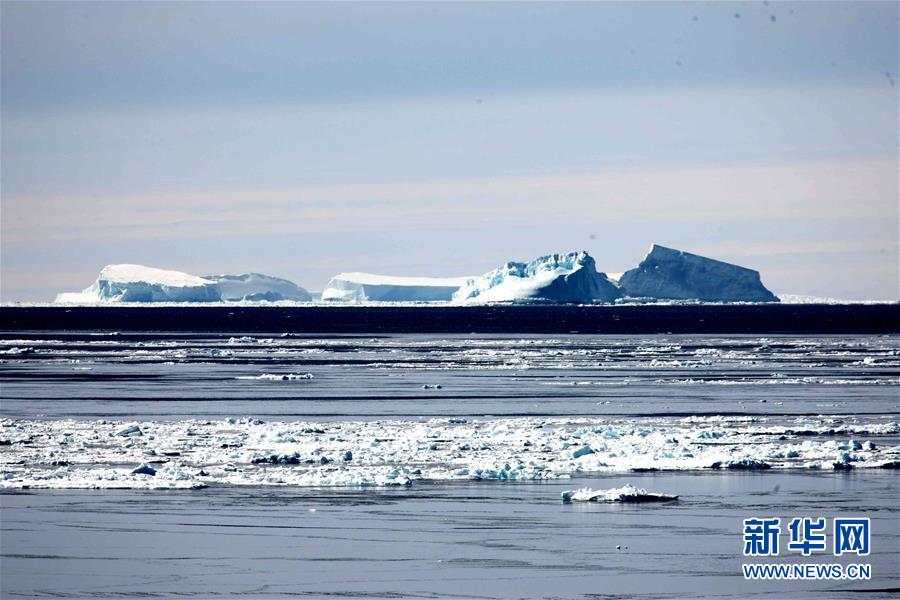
column 362, row 287
column 256, row 287
column 137, row 283
column 571, row 277
column 675, row 275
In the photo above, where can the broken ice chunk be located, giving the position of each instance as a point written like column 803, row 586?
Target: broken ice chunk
column 583, row 451
column 133, row 431
column 144, row 469
column 627, row 493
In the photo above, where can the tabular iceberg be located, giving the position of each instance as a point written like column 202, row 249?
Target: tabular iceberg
column 257, row 287
column 672, row 274
column 137, row 283
column 571, row 277
column 362, row 287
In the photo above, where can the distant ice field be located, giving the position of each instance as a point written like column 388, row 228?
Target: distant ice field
column 85, row 410
column 174, row 376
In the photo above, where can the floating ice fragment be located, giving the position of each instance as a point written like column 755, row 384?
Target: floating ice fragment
column 277, row 459
column 583, row 451
column 144, row 469
column 627, row 493
column 744, row 464
column 277, row 376
column 16, row 350
column 133, row 431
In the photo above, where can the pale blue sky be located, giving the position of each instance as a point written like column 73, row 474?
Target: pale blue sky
column 304, row 139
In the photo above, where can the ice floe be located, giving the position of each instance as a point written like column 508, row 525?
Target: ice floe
column 277, row 377
column 627, row 493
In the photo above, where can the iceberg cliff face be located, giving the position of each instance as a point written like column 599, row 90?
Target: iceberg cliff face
column 257, row 287
column 137, row 283
column 362, row 287
column 672, row 274
column 571, row 277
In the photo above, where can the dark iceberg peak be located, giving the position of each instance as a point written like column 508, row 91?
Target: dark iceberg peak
column 666, row 273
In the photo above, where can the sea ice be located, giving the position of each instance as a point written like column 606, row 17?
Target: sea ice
column 144, row 469
column 69, row 453
column 627, row 493
column 277, row 376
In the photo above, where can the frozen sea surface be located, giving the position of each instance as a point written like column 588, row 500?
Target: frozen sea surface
column 463, row 540
column 170, row 376
column 86, row 411
column 432, row 466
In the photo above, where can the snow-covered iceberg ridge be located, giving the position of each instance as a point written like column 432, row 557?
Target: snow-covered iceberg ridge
column 368, row 287
column 137, row 283
column 256, row 287
column 671, row 274
column 571, row 277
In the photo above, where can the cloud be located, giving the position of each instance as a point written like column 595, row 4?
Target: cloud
column 831, row 189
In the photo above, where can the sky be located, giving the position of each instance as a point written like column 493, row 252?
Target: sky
column 444, row 139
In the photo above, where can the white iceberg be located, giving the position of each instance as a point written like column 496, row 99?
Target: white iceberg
column 363, row 287
column 675, row 275
column 137, row 283
column 256, row 287
column 571, row 277
column 627, row 493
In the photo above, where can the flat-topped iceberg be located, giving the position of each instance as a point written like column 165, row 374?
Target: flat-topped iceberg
column 362, row 287
column 137, row 283
column 675, row 275
column 256, row 287
column 571, row 277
